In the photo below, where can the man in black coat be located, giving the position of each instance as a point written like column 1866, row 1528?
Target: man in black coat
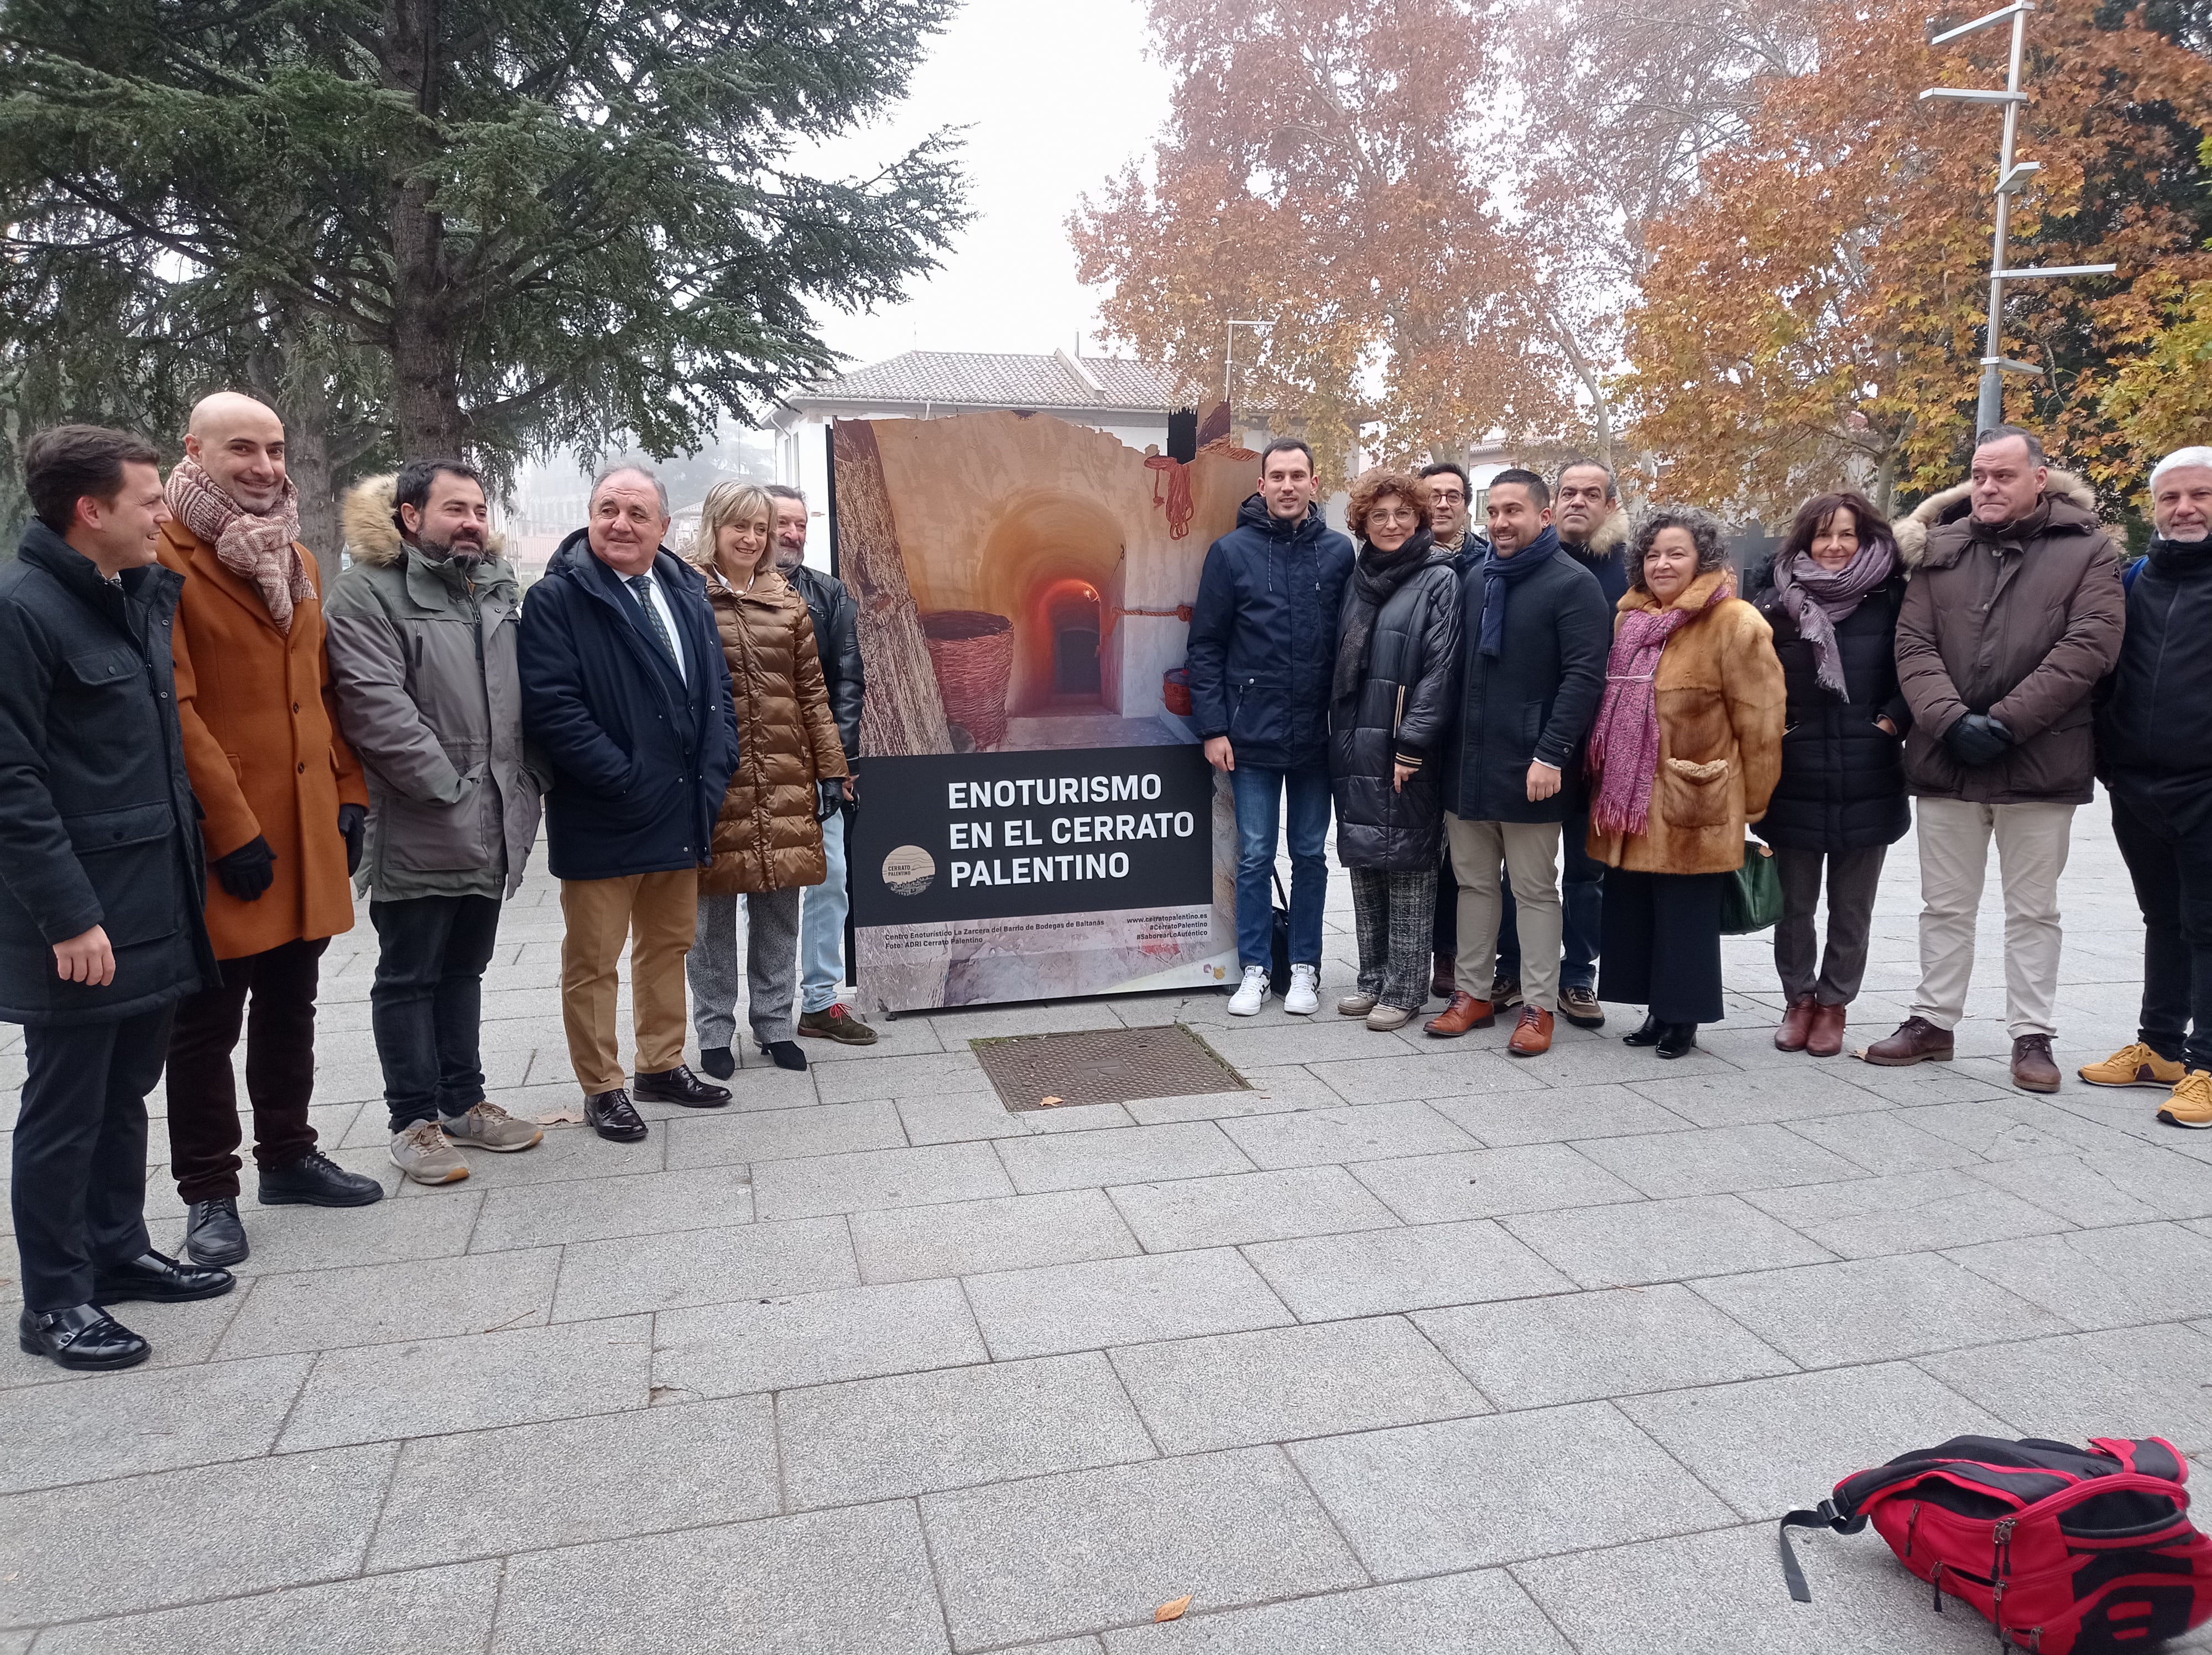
column 2154, row 757
column 1534, row 639
column 626, row 691
column 822, row 913
column 101, row 885
column 1262, row 650
column 1592, row 530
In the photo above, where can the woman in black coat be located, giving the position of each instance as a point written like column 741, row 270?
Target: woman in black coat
column 1391, row 709
column 1831, row 595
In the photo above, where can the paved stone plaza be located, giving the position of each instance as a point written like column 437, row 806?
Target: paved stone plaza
column 1413, row 1349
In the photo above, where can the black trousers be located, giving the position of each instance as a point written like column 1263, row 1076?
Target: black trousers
column 1661, row 946
column 280, row 1069
column 2172, row 867
column 80, row 1152
column 426, row 1005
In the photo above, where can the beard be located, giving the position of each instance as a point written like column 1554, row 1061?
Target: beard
column 464, row 549
column 788, row 558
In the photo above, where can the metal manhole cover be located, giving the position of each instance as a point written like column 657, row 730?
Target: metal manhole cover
column 1104, row 1065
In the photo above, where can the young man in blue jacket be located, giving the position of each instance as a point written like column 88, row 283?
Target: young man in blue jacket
column 1262, row 647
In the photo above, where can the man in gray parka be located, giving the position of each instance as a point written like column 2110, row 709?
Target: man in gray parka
column 422, row 660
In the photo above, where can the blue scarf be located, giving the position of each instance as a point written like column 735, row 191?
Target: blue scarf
column 1498, row 575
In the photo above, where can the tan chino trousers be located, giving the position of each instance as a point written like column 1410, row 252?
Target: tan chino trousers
column 657, row 914
column 1955, row 838
column 1530, row 851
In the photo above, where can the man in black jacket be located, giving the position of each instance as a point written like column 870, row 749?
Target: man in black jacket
column 1535, row 635
column 822, row 913
column 1262, row 650
column 101, row 884
column 626, row 691
column 2154, row 757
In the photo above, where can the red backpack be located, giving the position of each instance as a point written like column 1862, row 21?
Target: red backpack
column 2068, row 1552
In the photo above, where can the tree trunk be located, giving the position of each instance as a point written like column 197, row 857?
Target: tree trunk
column 904, row 712
column 425, row 357
column 307, row 459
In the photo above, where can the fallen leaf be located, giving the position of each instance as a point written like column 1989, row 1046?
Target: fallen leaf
column 559, row 1115
column 1050, row 1103
column 1171, row 1611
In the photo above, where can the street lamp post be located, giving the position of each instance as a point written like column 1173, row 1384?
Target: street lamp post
column 2012, row 178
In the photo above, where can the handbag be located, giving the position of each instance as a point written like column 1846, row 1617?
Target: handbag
column 1752, row 899
column 1278, row 965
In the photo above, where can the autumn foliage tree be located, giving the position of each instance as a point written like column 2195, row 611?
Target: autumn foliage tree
column 1319, row 169
column 1813, row 311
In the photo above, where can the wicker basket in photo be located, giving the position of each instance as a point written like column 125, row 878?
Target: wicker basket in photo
column 973, row 655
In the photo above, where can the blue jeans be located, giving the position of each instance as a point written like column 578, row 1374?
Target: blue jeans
column 1582, row 902
column 1259, row 795
column 821, row 926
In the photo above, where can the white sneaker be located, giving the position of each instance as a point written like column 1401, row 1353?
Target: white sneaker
column 1304, row 997
column 1252, row 995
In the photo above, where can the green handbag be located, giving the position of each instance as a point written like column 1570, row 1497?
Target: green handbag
column 1752, row 899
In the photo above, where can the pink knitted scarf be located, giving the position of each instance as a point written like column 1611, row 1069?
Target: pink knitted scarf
column 255, row 549
column 1624, row 745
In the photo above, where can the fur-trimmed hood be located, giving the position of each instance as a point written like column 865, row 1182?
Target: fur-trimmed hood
column 1953, row 504
column 1610, row 536
column 372, row 536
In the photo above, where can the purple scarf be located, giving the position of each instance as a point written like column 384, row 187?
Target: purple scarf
column 1624, row 747
column 1819, row 601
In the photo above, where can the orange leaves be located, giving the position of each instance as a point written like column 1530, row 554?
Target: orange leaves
column 1172, row 1610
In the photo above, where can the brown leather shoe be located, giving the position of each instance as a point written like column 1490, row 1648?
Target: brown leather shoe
column 1464, row 1012
column 1532, row 1035
column 1917, row 1041
column 1796, row 1024
column 1443, row 977
column 2032, row 1067
column 1825, row 1037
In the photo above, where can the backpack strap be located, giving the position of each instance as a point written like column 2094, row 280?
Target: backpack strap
column 1822, row 1517
column 2128, row 575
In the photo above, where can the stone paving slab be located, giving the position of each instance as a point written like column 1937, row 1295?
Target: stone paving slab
column 1410, row 1348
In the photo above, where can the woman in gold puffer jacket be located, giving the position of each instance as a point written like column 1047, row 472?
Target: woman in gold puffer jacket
column 768, row 839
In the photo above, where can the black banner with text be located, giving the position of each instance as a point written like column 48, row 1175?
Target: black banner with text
column 992, row 835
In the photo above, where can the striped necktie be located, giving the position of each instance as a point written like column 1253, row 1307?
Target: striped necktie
column 642, row 585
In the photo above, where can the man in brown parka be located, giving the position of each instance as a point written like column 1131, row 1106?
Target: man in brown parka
column 2013, row 613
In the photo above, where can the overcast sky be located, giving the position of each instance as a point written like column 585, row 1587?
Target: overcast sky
column 1056, row 96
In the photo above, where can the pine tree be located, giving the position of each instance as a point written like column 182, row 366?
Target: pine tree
column 563, row 225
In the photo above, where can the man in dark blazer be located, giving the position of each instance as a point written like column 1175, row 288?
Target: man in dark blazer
column 625, row 689
column 101, row 885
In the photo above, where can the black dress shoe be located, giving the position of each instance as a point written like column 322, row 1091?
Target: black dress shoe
column 718, row 1060
column 611, row 1116
column 82, row 1336
column 1650, row 1034
column 213, row 1234
column 158, row 1277
column 1679, row 1038
column 316, row 1180
column 680, row 1085
column 787, row 1054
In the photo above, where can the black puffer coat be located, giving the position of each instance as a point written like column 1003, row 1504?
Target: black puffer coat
column 1404, row 705
column 1842, row 779
column 2154, row 711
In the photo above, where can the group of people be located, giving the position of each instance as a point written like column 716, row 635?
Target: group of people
column 1468, row 709
column 201, row 747
column 202, row 743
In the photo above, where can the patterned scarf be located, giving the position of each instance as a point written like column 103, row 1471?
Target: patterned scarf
column 255, row 549
column 1623, row 747
column 1819, row 601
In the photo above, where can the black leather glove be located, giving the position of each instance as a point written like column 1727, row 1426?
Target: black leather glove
column 248, row 871
column 1978, row 738
column 352, row 822
column 829, row 797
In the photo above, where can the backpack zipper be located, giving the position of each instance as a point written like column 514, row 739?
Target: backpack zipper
column 1911, row 1524
column 2000, row 1566
column 1936, row 1580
